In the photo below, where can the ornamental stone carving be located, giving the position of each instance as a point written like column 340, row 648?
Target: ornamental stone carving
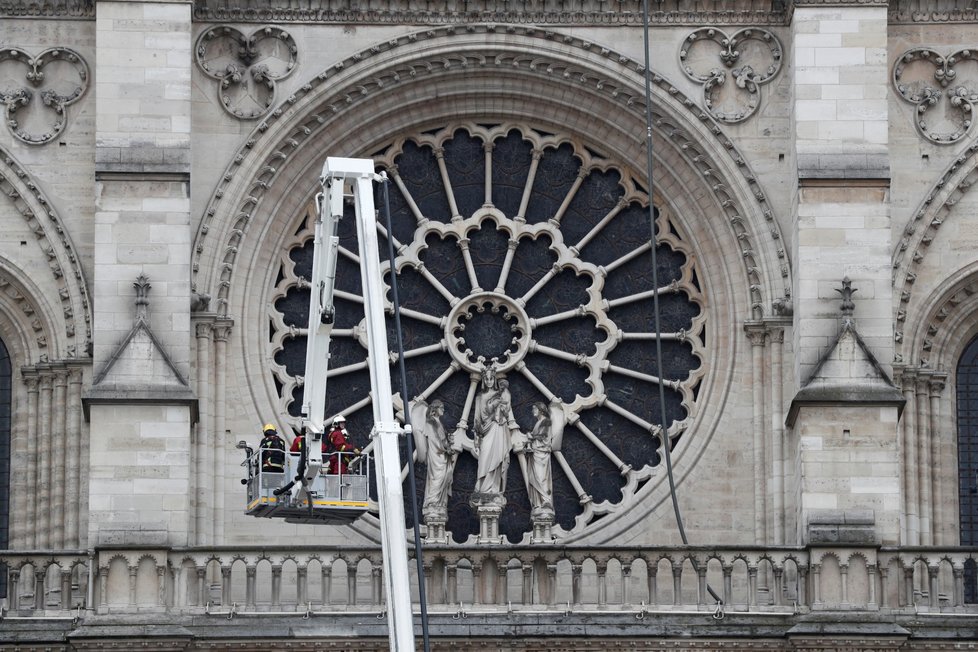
column 750, row 58
column 944, row 99
column 36, row 91
column 246, row 66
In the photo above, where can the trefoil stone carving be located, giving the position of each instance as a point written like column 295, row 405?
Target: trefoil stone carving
column 926, row 78
column 36, row 91
column 751, row 57
column 247, row 66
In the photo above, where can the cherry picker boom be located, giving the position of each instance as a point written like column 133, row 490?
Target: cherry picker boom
column 303, row 493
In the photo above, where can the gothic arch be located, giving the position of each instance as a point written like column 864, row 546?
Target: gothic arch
column 51, row 280
column 912, row 248
column 357, row 106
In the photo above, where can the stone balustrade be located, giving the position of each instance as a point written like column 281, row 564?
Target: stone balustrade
column 465, row 579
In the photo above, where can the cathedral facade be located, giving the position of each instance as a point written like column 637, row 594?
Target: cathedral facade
column 725, row 403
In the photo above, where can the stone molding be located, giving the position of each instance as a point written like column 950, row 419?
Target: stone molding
column 918, row 234
column 22, row 191
column 916, row 75
column 756, row 250
column 717, row 94
column 246, row 66
column 57, row 94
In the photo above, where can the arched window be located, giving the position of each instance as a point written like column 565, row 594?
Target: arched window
column 967, row 397
column 4, row 458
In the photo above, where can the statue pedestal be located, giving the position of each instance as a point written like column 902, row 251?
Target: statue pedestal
column 488, row 507
column 543, row 520
column 435, row 521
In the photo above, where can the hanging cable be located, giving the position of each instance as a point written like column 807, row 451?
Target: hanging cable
column 663, row 434
column 407, row 418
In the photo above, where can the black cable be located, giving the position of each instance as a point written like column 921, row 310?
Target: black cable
column 664, row 435
column 407, row 420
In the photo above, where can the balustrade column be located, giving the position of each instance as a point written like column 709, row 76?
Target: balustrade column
column 351, row 584
column 937, row 447
column 757, row 335
column 924, row 469
column 56, row 512
column 871, row 569
column 778, row 586
column 884, row 575
column 677, row 584
column 958, row 572
column 226, row 585
column 626, row 575
column 502, row 583
column 251, row 576
column 44, row 441
column 201, row 583
column 39, row 575
column 577, row 571
column 701, row 584
column 653, row 572
column 161, row 586
column 527, row 571
column 935, row 600
column 602, row 584
column 103, row 587
column 752, row 586
column 65, row 589
column 727, row 584
column 326, row 576
column 844, row 572
column 551, row 584
column 76, row 461
column 909, row 465
column 302, row 585
column 451, row 571
column 816, row 586
column 477, row 588
column 203, row 488
column 133, row 570
column 908, row 586
column 13, row 590
column 276, row 586
column 803, row 585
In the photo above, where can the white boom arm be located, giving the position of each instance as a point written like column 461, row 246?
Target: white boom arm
column 358, row 174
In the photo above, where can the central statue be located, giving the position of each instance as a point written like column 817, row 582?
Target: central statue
column 493, row 423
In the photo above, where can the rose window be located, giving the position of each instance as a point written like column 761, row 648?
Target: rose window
column 530, row 252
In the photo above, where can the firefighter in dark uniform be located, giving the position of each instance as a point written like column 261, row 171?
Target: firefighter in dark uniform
column 272, row 450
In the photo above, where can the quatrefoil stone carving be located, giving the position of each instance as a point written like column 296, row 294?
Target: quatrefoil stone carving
column 246, row 66
column 944, row 89
column 36, row 91
column 751, row 57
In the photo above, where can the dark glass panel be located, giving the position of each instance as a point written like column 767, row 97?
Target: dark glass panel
column 466, row 163
column 511, row 157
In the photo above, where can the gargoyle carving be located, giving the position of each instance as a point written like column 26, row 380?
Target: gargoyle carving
column 751, row 57
column 930, row 80
column 37, row 90
column 247, row 66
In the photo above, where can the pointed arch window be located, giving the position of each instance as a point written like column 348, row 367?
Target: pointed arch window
column 967, row 410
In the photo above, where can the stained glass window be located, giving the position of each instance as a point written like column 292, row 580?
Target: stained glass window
column 532, row 251
column 967, row 397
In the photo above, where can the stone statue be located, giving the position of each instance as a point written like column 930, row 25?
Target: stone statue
column 433, row 444
column 493, row 421
column 539, row 476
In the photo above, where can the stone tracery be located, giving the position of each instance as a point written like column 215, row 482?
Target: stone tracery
column 530, row 254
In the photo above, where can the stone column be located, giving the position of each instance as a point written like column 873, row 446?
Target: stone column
column 924, row 469
column 937, row 446
column 202, row 478
column 777, row 433
column 757, row 334
column 909, row 458
column 25, row 503
column 59, row 442
column 222, row 330
column 73, row 485
column 43, row 442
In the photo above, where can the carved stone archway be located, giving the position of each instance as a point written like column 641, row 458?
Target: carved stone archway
column 547, row 83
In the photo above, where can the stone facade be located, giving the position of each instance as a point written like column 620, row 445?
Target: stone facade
column 812, row 172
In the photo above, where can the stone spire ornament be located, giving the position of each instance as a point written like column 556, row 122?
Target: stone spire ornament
column 847, row 303
column 142, row 296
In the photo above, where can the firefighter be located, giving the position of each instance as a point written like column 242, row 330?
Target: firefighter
column 272, row 450
column 339, row 442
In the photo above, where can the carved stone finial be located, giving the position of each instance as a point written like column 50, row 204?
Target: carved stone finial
column 142, row 295
column 847, row 304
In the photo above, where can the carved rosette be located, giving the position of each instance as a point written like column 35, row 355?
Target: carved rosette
column 750, row 58
column 36, row 91
column 246, row 66
column 944, row 90
column 528, row 251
